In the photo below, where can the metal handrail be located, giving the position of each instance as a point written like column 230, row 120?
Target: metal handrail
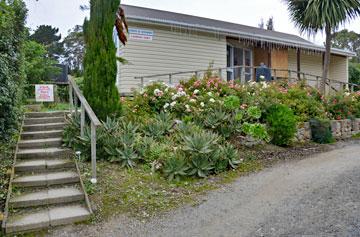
column 305, row 76
column 85, row 109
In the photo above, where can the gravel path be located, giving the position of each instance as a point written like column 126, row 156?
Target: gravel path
column 317, row 196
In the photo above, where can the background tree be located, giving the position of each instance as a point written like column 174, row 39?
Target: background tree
column 74, row 50
column 270, row 24
column 49, row 37
column 348, row 40
column 38, row 66
column 312, row 16
column 100, row 59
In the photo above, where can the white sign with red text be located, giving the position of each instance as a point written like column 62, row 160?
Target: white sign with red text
column 44, row 93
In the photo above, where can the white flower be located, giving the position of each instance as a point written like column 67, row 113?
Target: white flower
column 347, row 94
column 173, row 104
column 196, row 92
column 209, row 93
column 262, row 77
column 202, row 104
column 192, row 100
column 264, row 85
column 166, row 105
column 158, row 92
column 253, row 83
column 142, row 91
column 212, row 100
column 166, row 89
column 174, row 97
column 187, row 108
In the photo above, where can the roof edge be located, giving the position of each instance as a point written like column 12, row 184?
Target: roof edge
column 246, row 35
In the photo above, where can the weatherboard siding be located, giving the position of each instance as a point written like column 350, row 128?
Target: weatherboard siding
column 339, row 68
column 171, row 50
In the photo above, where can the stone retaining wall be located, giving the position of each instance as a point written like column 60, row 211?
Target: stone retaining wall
column 339, row 128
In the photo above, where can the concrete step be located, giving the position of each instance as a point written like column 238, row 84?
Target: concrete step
column 43, row 120
column 42, row 165
column 47, row 196
column 45, row 218
column 47, row 179
column 41, row 134
column 43, row 127
column 40, row 143
column 43, row 153
column 44, row 114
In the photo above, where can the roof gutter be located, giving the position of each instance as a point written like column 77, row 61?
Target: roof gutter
column 245, row 35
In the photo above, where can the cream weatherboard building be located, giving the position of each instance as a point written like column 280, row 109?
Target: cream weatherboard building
column 162, row 42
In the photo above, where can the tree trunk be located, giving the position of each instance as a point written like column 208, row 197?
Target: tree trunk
column 326, row 59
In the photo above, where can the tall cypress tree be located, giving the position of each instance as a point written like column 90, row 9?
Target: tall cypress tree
column 100, row 59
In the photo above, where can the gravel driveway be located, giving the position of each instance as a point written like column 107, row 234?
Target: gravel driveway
column 316, row 196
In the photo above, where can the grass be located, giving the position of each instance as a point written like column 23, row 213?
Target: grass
column 142, row 194
column 49, row 107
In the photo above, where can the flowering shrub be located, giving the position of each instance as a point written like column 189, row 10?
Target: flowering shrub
column 184, row 130
column 343, row 106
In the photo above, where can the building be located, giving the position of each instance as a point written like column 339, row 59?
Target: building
column 163, row 42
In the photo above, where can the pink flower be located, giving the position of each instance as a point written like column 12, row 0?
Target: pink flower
column 243, row 106
column 145, row 95
column 197, row 83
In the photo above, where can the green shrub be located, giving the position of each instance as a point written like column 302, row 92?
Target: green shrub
column 175, row 168
column 321, row 131
column 281, row 124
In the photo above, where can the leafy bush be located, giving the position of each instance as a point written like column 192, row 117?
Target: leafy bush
column 282, row 124
column 321, row 131
column 12, row 75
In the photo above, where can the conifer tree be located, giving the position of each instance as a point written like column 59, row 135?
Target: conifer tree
column 100, row 59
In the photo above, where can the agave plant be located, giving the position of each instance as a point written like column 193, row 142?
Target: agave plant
column 230, row 155
column 127, row 157
column 175, row 168
column 216, row 118
column 200, row 143
column 71, row 131
column 200, row 166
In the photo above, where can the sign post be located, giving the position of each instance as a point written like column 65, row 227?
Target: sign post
column 44, row 93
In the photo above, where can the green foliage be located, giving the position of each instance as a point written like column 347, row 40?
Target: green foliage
column 100, row 59
column 282, row 124
column 232, row 102
column 71, row 131
column 12, row 36
column 38, row 66
column 321, row 131
column 256, row 131
column 354, row 73
column 348, row 40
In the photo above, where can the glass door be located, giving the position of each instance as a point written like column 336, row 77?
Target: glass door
column 239, row 63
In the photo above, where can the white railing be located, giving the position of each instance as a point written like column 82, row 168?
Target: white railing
column 243, row 71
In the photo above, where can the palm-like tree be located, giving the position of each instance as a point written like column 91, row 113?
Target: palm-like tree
column 312, row 16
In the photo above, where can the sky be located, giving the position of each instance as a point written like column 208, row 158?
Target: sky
column 65, row 14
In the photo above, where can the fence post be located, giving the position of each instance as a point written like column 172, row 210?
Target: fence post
column 76, row 105
column 71, row 100
column 197, row 75
column 220, row 73
column 93, row 153
column 82, row 120
column 317, row 82
column 352, row 88
column 275, row 78
column 289, row 75
column 142, row 82
column 170, row 79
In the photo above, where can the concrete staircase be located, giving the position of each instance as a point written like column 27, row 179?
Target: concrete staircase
column 46, row 189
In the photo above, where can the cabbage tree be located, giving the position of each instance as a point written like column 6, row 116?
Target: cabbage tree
column 313, row 16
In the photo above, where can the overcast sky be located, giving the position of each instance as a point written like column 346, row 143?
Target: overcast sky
column 64, row 14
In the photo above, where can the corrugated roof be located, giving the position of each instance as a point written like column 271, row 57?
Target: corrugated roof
column 134, row 13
